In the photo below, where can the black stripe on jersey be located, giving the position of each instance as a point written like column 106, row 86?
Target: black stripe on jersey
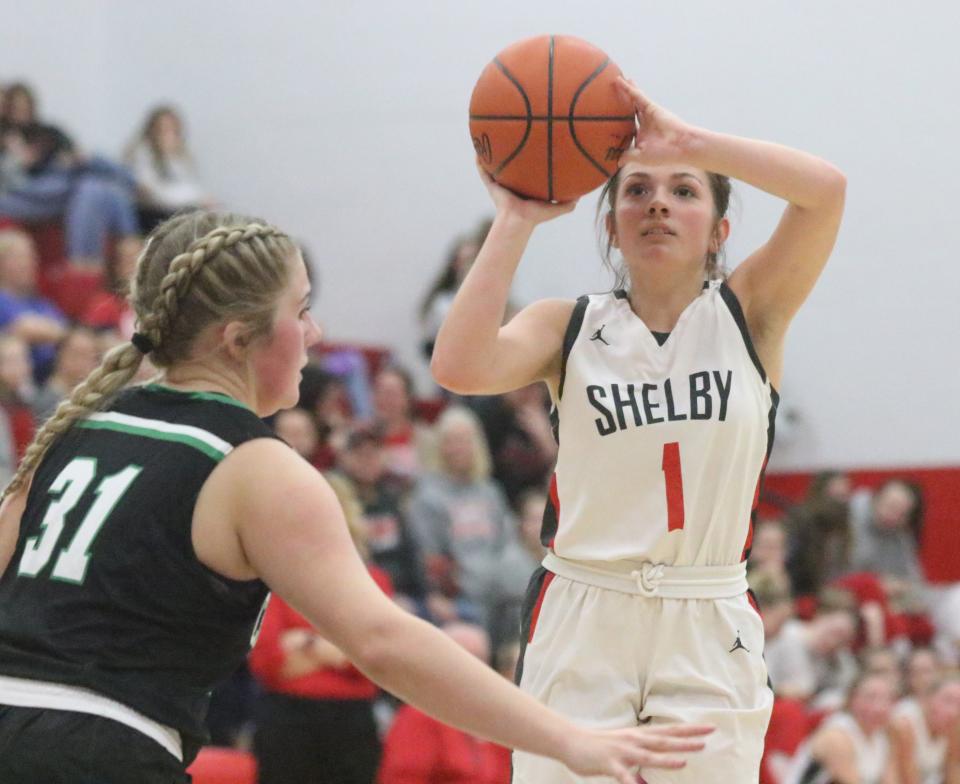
column 530, row 599
column 811, row 773
column 570, row 336
column 737, row 312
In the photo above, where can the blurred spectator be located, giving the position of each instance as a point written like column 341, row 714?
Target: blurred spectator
column 784, row 645
column 522, row 444
column 16, row 390
column 43, row 177
column 76, row 356
column 768, row 551
column 515, row 568
column 392, row 545
column 407, row 443
column 926, row 733
column 20, row 126
column 852, row 746
column 819, row 534
column 324, row 396
column 809, row 660
column 921, row 668
column 439, row 297
column 420, row 750
column 22, row 311
column 886, row 525
column 109, row 309
column 315, row 721
column 8, row 449
column 461, row 518
column 298, row 428
column 881, row 660
column 164, row 170
column 530, row 506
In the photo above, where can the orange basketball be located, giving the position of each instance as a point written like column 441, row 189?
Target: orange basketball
column 547, row 118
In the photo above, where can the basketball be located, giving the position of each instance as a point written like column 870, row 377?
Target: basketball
column 548, row 120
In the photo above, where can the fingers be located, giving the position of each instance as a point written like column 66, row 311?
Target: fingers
column 666, row 743
column 484, row 174
column 662, row 761
column 630, row 88
column 679, row 730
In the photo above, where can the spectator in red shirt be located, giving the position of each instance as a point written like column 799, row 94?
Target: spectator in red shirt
column 421, row 750
column 315, row 721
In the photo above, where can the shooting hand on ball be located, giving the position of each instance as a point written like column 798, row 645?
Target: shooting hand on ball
column 661, row 137
column 531, row 210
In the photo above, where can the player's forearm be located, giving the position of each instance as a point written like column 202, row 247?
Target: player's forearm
column 422, row 666
column 467, row 339
column 798, row 177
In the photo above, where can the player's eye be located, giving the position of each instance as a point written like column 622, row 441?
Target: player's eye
column 685, row 192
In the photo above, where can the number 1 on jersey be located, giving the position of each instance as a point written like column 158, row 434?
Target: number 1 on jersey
column 674, row 483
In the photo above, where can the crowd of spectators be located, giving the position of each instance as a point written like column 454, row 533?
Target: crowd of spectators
column 444, row 497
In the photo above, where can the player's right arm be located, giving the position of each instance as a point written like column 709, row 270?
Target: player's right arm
column 835, row 751
column 474, row 354
column 290, row 531
column 904, row 751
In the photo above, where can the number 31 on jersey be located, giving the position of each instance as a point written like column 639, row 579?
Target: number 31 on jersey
column 67, row 489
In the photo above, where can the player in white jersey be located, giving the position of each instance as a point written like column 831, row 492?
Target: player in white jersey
column 927, row 735
column 853, row 746
column 664, row 392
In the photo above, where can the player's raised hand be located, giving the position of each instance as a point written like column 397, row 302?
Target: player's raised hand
column 507, row 201
column 662, row 137
column 620, row 753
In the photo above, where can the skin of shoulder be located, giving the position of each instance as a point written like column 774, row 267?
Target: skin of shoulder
column 834, row 749
column 904, row 743
column 265, row 512
column 530, row 347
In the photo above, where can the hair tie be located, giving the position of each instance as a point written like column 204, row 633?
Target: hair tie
column 142, row 342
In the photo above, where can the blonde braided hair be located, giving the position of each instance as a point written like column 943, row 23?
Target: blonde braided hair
column 196, row 269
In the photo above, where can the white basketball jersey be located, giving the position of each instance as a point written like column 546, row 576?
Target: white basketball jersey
column 871, row 755
column 929, row 752
column 662, row 447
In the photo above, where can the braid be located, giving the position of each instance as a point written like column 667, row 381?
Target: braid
column 184, row 268
column 264, row 267
column 118, row 367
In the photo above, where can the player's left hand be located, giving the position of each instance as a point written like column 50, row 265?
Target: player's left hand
column 618, row 753
column 662, row 137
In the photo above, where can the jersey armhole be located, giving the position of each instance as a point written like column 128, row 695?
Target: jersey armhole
column 733, row 305
column 570, row 337
column 195, row 556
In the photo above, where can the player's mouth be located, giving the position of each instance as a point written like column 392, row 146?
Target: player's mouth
column 657, row 230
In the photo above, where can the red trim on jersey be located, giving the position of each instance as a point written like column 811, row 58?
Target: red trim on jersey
column 535, row 614
column 555, row 500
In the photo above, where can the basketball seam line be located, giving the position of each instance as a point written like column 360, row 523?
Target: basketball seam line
column 565, row 117
column 550, row 123
column 526, row 102
column 573, row 103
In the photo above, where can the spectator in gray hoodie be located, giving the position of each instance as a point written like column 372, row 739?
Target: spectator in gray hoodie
column 464, row 526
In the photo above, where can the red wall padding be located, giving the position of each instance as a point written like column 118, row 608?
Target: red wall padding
column 940, row 545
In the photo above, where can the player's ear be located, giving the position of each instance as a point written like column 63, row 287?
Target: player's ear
column 236, row 339
column 720, row 233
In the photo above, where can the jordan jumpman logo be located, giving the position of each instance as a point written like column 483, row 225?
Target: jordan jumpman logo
column 598, row 335
column 739, row 645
